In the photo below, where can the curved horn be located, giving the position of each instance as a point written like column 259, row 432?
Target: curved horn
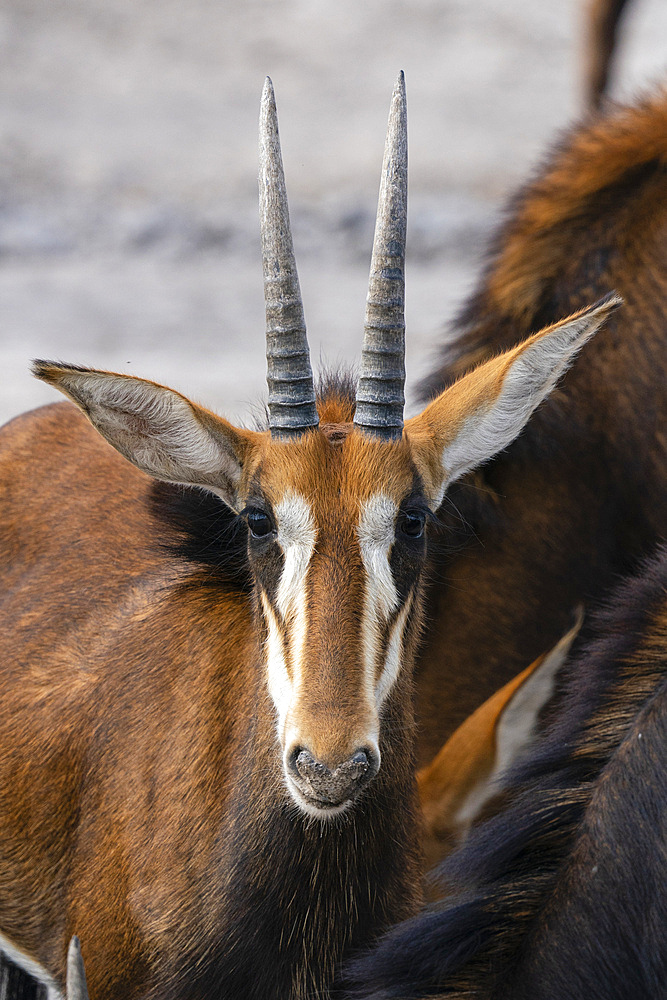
column 380, row 390
column 289, row 375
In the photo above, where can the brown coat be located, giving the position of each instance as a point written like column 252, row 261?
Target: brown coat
column 581, row 496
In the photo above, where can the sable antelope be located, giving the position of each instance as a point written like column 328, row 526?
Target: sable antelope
column 563, row 893
column 208, row 749
column 581, row 497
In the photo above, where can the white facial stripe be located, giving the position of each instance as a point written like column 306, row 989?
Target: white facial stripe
column 278, row 680
column 296, row 536
column 376, row 532
column 394, row 657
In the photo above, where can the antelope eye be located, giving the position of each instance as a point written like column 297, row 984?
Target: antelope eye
column 259, row 522
column 412, row 524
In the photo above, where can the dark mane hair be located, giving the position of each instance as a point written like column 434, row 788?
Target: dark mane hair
column 564, row 244
column 511, row 870
column 205, row 532
column 16, row 984
column 339, row 383
column 554, row 250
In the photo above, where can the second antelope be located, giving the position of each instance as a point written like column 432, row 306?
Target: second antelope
column 562, row 893
column 207, row 768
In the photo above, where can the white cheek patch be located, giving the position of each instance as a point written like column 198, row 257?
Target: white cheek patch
column 296, row 536
column 376, row 533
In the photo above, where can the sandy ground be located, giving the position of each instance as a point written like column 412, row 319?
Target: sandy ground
column 128, row 205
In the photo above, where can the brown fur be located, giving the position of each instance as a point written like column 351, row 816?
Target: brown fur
column 579, row 498
column 141, row 787
column 143, row 790
column 561, row 895
column 152, row 788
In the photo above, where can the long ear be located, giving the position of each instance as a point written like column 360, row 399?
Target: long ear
column 77, row 988
column 486, row 409
column 157, row 429
column 468, row 772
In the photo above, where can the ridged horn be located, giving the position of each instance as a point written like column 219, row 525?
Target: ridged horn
column 289, row 375
column 381, row 386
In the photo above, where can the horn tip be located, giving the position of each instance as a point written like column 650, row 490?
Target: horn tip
column 268, row 102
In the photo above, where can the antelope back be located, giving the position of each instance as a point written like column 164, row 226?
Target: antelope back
column 580, row 496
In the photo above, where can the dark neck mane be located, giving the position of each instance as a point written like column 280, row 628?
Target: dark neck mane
column 591, row 220
column 301, row 896
column 505, row 878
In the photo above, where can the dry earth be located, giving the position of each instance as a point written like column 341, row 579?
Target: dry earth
column 128, row 216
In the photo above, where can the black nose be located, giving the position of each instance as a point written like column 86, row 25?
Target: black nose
column 326, row 787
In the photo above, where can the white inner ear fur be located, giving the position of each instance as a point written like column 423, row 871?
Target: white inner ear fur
column 158, row 431
column 516, row 725
column 528, row 381
column 31, row 966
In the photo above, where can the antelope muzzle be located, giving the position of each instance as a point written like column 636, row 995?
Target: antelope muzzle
column 325, row 788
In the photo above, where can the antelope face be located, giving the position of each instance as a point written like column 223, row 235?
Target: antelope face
column 336, row 545
column 335, row 502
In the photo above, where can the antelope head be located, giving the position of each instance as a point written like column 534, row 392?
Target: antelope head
column 336, row 494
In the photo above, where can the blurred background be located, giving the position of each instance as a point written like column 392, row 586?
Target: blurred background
column 128, row 161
